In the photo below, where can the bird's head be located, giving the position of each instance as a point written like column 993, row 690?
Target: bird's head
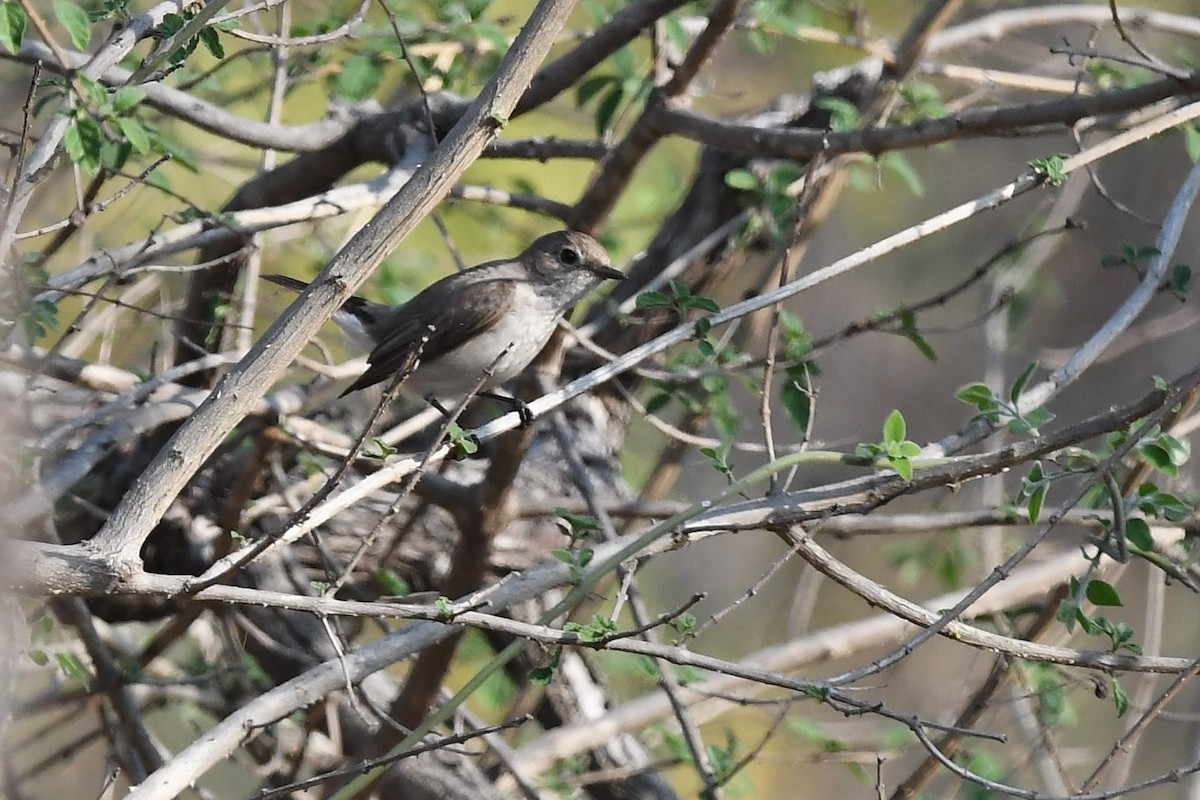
column 569, row 263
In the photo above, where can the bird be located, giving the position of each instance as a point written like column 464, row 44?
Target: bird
column 496, row 315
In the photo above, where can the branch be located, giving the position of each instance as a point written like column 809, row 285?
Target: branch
column 1010, row 120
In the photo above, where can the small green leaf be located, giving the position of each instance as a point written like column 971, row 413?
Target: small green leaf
column 83, row 140
column 12, row 25
column 358, row 79
column 1021, row 381
column 894, row 428
column 1137, row 531
column 1103, row 593
column 606, row 110
column 625, row 62
column 742, row 179
column 1036, row 500
column 576, row 526
column 903, row 467
column 899, row 165
column 657, row 402
column 843, row 114
column 599, row 628
column 126, row 98
column 212, row 43
column 1120, row 699
column 590, row 87
column 975, row 393
column 462, row 444
column 541, row 676
column 135, row 134
column 1038, row 417
column 684, row 623
column 796, row 401
column 1050, row 169
column 391, row 582
column 75, row 21
column 922, row 344
column 378, row 448
column 653, row 300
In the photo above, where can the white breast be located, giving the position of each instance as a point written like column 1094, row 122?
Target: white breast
column 510, row 345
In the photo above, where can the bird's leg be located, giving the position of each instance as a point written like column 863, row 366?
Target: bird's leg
column 515, row 403
column 433, row 401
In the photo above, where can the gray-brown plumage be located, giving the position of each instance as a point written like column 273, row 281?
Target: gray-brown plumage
column 499, row 314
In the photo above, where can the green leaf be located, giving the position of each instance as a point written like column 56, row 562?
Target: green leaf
column 625, row 62
column 576, row 526
column 1120, row 699
column 93, row 91
column 462, row 444
column 135, row 134
column 126, row 98
column 1050, row 169
column 796, row 401
column 1103, row 593
column 903, row 467
column 83, row 140
column 903, row 169
column 684, row 623
column 541, row 676
column 1038, row 417
column 653, row 300
column 843, row 114
column 75, row 20
column 742, row 179
column 894, row 428
column 358, row 79
column 606, row 111
column 590, row 87
column 12, row 25
column 599, row 628
column 922, row 345
column 72, row 666
column 1021, row 381
column 391, row 582
column 1036, row 500
column 975, row 393
column 212, row 43
column 657, row 402
column 1137, row 531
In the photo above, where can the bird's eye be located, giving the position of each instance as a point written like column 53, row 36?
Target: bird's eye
column 568, row 256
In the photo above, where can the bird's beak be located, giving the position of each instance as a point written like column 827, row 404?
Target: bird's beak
column 609, row 273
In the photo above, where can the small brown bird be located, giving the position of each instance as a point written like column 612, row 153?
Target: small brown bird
column 499, row 314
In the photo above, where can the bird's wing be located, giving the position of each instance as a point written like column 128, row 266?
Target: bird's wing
column 457, row 313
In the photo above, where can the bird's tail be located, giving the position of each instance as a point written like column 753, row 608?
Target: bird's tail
column 286, row 282
column 356, row 317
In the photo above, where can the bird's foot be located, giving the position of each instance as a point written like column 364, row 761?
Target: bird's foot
column 524, row 413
